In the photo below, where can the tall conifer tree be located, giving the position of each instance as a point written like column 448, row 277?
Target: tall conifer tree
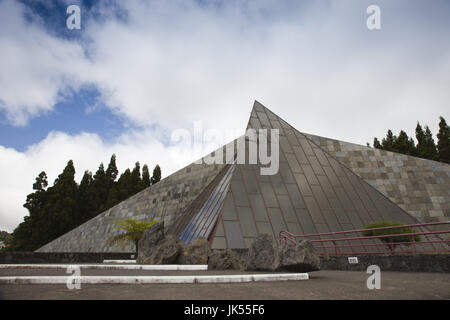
column 443, row 145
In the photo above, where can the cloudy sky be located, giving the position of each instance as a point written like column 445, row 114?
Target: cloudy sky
column 138, row 70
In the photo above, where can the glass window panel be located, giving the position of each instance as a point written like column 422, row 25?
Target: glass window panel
column 295, row 228
column 255, row 124
column 326, row 186
column 286, row 173
column 306, row 147
column 305, row 221
column 263, row 118
column 315, row 165
column 250, row 181
column 300, row 155
column 295, row 167
column 264, row 227
column 284, row 144
column 294, row 194
column 239, row 193
column 268, row 194
column 321, row 198
column 277, row 184
column 229, row 211
column 233, row 235
column 321, row 156
column 287, row 209
column 303, row 184
column 310, row 175
column 219, row 243
column 332, row 176
column 202, row 223
column 219, row 230
column 313, row 209
column 331, row 220
column 247, row 222
column 258, row 207
column 290, row 135
column 276, row 220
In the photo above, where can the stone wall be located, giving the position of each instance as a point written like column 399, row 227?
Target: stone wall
column 62, row 257
column 401, row 262
column 407, row 263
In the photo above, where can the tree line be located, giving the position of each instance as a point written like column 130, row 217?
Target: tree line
column 55, row 210
column 425, row 148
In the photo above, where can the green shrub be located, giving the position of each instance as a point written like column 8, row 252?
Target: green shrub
column 393, row 240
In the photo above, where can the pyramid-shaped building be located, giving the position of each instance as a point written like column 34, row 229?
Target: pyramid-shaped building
column 322, row 185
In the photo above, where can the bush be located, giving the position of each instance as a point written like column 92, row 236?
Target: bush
column 393, row 240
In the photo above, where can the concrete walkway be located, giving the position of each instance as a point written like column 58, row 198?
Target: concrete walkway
column 198, row 267
column 321, row 285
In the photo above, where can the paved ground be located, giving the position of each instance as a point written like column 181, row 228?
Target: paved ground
column 322, row 285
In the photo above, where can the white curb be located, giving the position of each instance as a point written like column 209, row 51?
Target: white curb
column 119, row 261
column 176, row 267
column 153, row 279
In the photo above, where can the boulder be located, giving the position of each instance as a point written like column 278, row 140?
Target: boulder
column 301, row 257
column 224, row 260
column 148, row 241
column 197, row 252
column 167, row 251
column 262, row 255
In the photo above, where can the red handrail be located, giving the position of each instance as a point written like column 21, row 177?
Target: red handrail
column 286, row 236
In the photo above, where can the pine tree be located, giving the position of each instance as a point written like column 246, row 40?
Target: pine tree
column 404, row 144
column 34, row 200
column 421, row 140
column 112, row 172
column 123, row 185
column 86, row 197
column 100, row 188
column 376, row 143
column 146, row 180
column 443, row 145
column 389, row 142
column 135, row 179
column 430, row 150
column 61, row 209
column 25, row 232
column 426, row 148
column 156, row 177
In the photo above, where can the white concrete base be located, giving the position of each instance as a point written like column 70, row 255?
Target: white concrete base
column 180, row 267
column 119, row 261
column 153, row 279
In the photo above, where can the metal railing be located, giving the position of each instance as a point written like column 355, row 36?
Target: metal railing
column 371, row 244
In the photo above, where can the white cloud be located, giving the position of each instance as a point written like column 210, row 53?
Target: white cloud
column 19, row 169
column 36, row 69
column 174, row 62
column 315, row 64
column 170, row 63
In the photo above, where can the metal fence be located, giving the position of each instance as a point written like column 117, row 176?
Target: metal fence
column 354, row 242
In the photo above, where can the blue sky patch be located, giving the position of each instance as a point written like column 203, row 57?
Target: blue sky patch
column 82, row 113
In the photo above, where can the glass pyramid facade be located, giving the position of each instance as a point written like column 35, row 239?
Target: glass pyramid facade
column 314, row 191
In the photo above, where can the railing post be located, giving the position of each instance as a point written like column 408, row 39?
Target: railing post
column 335, row 248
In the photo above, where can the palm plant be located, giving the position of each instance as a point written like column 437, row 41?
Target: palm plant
column 133, row 231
